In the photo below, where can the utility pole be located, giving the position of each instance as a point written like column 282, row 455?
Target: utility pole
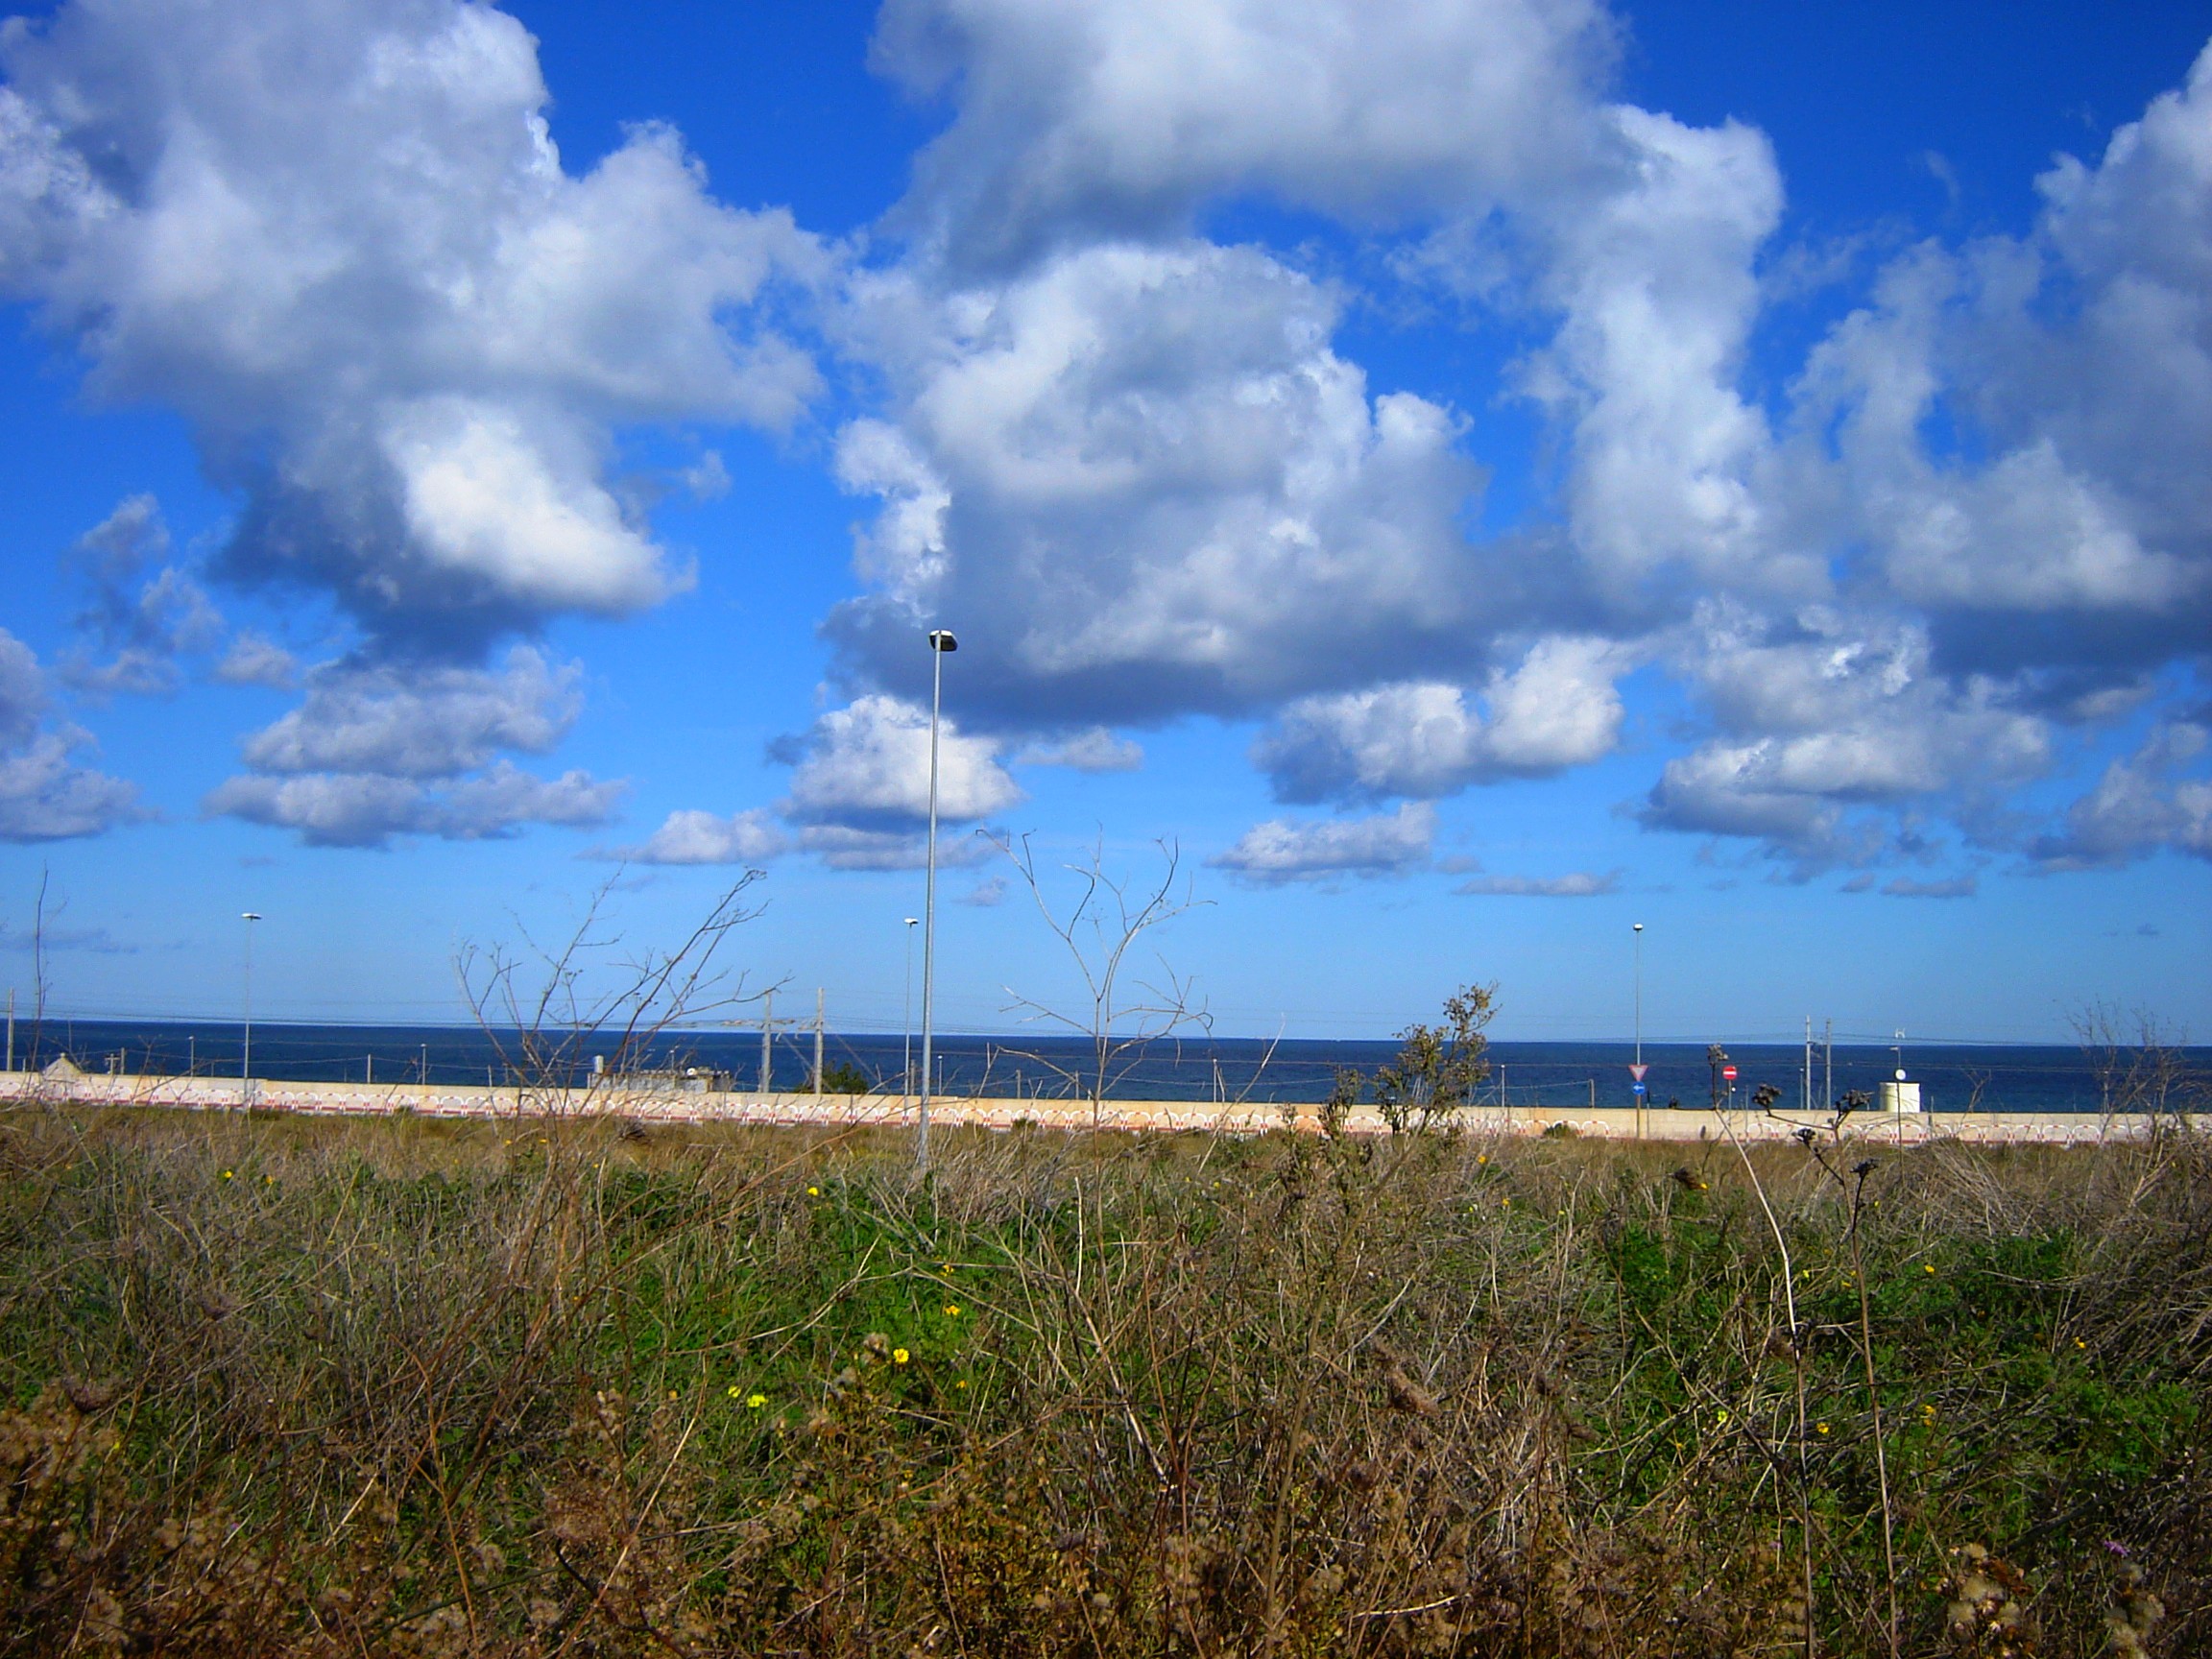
column 1808, row 1062
column 1828, row 1037
column 10, row 1029
column 817, row 1045
column 767, row 1037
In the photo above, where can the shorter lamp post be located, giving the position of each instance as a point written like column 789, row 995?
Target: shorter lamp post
column 246, row 1058
column 906, row 1020
column 1639, row 926
column 942, row 644
column 1638, row 1094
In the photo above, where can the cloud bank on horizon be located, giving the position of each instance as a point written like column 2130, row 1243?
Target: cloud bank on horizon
column 1891, row 586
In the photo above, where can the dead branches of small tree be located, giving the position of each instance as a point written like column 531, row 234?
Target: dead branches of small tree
column 1120, row 1017
column 2141, row 1068
column 586, row 1013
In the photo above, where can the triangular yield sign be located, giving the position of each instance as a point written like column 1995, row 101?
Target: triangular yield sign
column 1637, row 1071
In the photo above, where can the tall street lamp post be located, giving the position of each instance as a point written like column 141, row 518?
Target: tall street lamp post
column 941, row 645
column 246, row 1061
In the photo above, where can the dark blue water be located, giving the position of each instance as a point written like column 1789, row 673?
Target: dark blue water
column 1953, row 1077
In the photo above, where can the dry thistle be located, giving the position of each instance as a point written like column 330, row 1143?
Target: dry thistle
column 1986, row 1615
column 2129, row 1625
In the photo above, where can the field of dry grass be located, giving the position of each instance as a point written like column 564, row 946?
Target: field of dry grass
column 281, row 1386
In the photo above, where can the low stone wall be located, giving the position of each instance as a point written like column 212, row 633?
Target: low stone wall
column 613, row 1099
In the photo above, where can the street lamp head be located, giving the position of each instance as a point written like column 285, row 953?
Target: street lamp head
column 250, row 916
column 941, row 640
column 913, row 920
column 1638, row 926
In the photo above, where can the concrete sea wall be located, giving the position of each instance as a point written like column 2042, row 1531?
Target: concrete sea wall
column 616, row 1098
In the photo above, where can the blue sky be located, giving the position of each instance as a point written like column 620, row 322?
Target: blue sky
column 1472, row 476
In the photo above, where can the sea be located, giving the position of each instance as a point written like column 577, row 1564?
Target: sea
column 1953, row 1077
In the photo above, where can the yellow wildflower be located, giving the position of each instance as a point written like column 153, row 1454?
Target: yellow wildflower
column 754, row 1401
column 226, row 1174
column 813, row 1191
column 1820, row 1427
column 951, row 1310
column 900, row 1355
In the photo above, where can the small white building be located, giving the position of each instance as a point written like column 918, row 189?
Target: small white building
column 1900, row 1095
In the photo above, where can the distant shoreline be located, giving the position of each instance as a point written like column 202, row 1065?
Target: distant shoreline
column 2006, row 1077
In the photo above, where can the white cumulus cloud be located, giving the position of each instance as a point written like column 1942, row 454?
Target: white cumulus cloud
column 1095, row 750
column 1283, row 851
column 1556, row 708
column 2144, row 803
column 692, row 837
column 866, row 767
column 1145, row 484
column 337, row 236
column 1082, row 119
column 144, row 614
column 380, row 749
column 44, row 794
column 368, row 809
column 420, row 722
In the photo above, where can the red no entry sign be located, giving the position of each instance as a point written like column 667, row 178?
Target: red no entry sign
column 1729, row 1073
